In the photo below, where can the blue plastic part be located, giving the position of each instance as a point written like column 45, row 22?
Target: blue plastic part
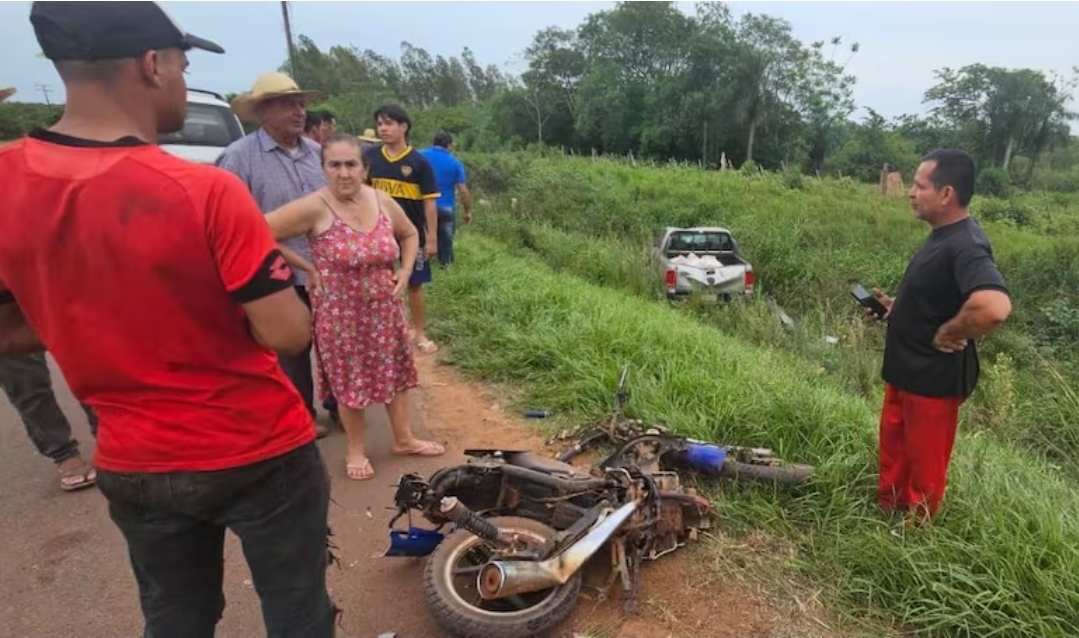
column 705, row 457
column 415, row 542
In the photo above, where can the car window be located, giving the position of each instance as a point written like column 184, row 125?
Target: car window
column 700, row 241
column 205, row 125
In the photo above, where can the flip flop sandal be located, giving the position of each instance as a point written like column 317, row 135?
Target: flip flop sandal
column 86, row 474
column 360, row 472
column 427, row 448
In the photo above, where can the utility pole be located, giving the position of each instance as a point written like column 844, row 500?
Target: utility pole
column 45, row 89
column 288, row 36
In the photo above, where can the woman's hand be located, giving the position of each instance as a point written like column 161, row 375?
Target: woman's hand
column 407, row 237
column 400, row 281
column 314, row 281
column 298, row 263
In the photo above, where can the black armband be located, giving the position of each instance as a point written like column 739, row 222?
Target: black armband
column 6, row 297
column 274, row 275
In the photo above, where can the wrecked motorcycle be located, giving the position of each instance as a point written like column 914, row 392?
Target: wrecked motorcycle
column 526, row 526
column 527, row 531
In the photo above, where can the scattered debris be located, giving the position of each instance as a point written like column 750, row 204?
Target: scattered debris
column 781, row 314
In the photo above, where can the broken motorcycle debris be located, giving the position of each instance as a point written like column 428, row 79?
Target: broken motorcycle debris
column 685, row 454
column 529, row 532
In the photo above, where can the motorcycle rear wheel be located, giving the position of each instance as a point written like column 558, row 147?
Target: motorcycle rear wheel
column 454, row 600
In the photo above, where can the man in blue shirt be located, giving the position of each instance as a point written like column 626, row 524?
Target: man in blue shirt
column 450, row 175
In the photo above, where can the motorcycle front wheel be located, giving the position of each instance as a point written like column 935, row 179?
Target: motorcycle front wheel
column 454, row 600
column 790, row 474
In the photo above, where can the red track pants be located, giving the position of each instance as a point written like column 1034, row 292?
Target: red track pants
column 916, row 437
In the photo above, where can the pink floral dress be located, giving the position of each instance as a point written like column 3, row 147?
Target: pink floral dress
column 361, row 337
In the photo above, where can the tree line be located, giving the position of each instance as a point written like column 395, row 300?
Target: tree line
column 646, row 79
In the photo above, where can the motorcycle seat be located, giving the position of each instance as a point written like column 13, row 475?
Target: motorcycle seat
column 532, row 461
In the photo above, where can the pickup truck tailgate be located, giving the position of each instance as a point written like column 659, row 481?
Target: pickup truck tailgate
column 711, row 276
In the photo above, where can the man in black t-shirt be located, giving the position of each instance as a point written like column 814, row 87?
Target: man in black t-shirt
column 950, row 294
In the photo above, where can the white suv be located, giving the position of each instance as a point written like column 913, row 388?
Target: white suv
column 210, row 126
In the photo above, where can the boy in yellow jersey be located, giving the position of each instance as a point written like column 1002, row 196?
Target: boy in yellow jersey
column 405, row 174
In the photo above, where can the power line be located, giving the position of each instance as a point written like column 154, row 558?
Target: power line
column 45, row 90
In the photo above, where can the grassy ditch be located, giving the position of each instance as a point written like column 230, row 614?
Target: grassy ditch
column 1024, row 397
column 809, row 240
column 1003, row 559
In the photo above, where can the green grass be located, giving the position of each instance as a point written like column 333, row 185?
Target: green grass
column 596, row 220
column 1023, row 397
column 1003, row 559
column 808, row 244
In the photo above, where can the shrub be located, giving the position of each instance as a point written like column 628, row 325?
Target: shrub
column 993, row 182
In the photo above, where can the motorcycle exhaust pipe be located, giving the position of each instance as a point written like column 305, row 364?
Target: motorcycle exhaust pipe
column 503, row 578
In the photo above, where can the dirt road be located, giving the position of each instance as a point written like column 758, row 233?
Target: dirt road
column 64, row 569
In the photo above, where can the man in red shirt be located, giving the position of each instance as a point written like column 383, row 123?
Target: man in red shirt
column 158, row 288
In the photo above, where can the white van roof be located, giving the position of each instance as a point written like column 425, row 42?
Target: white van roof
column 202, row 96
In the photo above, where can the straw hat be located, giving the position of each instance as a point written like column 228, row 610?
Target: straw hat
column 369, row 136
column 266, row 87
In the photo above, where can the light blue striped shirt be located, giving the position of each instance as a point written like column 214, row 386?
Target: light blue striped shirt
column 276, row 176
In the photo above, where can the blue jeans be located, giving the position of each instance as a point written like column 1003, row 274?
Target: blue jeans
column 447, row 225
column 174, row 524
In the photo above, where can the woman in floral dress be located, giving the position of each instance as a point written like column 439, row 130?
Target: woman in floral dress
column 356, row 234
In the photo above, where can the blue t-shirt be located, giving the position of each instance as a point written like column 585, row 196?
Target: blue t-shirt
column 449, row 172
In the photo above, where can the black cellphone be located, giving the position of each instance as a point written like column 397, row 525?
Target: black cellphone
column 867, row 299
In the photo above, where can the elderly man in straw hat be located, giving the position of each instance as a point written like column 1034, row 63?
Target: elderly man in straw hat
column 280, row 164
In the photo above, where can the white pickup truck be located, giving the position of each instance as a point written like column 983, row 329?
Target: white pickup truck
column 703, row 258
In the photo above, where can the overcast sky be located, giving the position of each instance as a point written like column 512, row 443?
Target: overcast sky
column 901, row 42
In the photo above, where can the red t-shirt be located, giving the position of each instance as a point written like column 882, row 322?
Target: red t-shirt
column 129, row 263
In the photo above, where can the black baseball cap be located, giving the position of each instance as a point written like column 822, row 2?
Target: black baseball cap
column 108, row 30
